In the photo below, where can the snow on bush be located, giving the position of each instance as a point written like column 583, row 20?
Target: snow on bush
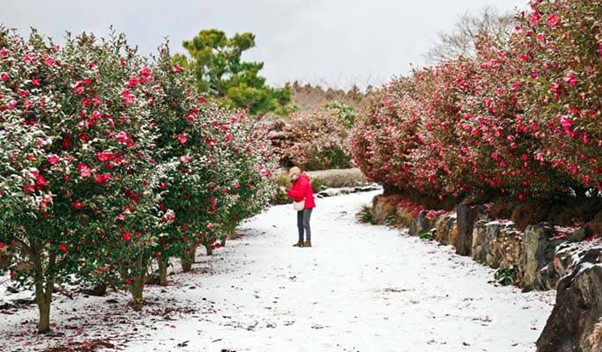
column 522, row 119
column 109, row 160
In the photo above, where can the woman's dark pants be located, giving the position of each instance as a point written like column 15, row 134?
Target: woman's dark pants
column 303, row 218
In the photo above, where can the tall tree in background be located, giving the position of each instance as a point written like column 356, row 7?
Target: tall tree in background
column 221, row 72
column 496, row 25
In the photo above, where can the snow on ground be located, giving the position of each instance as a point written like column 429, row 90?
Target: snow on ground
column 361, row 288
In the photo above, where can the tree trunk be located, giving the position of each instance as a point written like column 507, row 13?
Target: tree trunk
column 44, row 299
column 44, row 287
column 223, row 241
column 163, row 264
column 209, row 249
column 187, row 260
column 137, row 285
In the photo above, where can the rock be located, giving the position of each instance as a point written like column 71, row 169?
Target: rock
column 467, row 215
column 569, row 255
column 494, row 242
column 537, row 253
column 483, row 237
column 579, row 235
column 444, row 226
column 421, row 224
column 575, row 324
column 453, row 233
column 509, row 247
column 384, row 207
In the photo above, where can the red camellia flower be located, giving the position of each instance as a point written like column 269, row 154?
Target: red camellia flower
column 553, row 20
column 3, row 52
column 127, row 236
column 101, row 178
column 41, row 181
column 53, row 159
column 63, row 248
column 104, row 156
column 4, row 77
column 2, row 246
column 201, row 100
column 600, row 49
column 77, row 205
column 127, row 97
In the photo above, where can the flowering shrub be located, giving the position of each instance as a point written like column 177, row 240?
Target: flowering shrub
column 520, row 120
column 314, row 140
column 75, row 171
column 108, row 161
column 220, row 173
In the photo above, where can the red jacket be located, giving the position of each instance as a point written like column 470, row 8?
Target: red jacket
column 302, row 190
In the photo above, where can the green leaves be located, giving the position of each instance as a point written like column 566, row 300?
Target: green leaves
column 220, row 72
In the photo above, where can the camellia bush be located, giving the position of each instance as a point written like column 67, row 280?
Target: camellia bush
column 109, row 161
column 75, row 170
column 220, row 176
column 520, row 121
column 312, row 140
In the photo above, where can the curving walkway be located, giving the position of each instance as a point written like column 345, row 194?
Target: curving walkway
column 361, row 288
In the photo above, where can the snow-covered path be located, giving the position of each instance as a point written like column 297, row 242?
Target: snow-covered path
column 361, row 288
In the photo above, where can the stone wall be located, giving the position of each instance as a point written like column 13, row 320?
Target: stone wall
column 542, row 257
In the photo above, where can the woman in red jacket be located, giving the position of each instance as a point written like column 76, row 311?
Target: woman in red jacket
column 302, row 191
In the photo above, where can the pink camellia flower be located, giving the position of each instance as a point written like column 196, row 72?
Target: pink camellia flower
column 121, row 217
column 84, row 170
column 49, row 61
column 96, row 114
column 127, row 236
column 567, row 124
column 184, row 159
column 534, row 18
column 190, row 118
column 2, row 246
column 228, row 137
column 571, row 79
column 145, row 71
column 53, row 159
column 553, row 20
column 182, row 139
column 5, row 77
column 122, row 137
column 177, row 68
column 540, row 37
column 3, row 52
column 63, row 248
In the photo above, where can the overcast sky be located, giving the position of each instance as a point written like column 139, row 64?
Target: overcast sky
column 331, row 42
